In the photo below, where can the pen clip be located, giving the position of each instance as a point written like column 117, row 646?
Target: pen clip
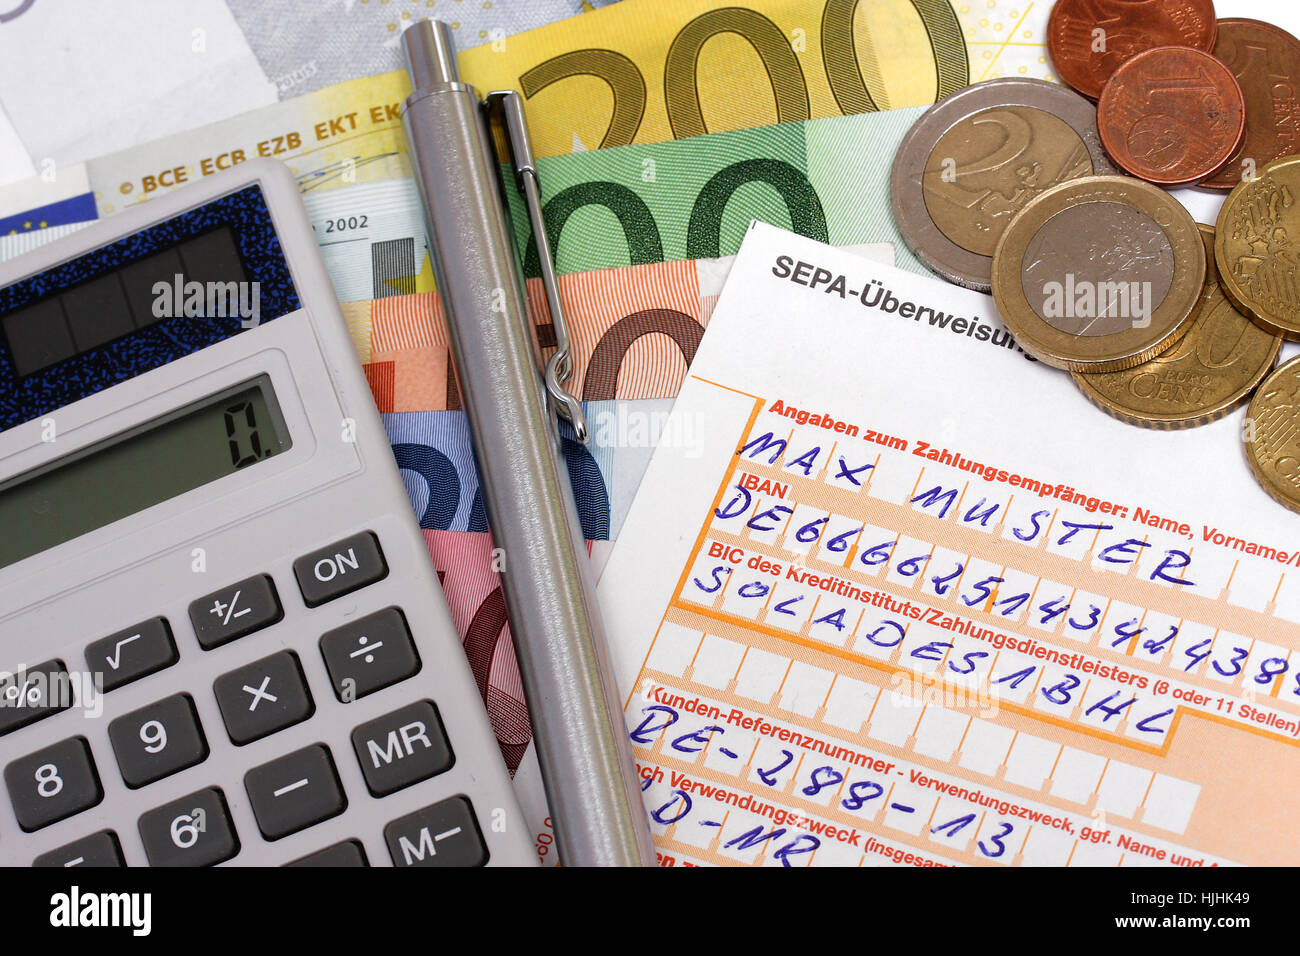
column 559, row 368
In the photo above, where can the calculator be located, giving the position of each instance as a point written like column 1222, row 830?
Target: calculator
column 222, row 640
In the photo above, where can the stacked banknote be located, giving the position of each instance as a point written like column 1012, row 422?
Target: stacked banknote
column 683, row 94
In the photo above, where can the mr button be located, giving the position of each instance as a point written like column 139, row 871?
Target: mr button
column 402, row 748
column 339, row 568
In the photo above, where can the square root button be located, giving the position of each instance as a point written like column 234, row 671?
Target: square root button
column 340, row 568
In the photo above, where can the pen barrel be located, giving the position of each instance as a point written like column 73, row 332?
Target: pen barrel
column 581, row 739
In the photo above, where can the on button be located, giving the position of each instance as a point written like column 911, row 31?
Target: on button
column 340, row 568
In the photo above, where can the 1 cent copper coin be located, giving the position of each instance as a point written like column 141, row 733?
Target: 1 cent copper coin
column 1266, row 62
column 1173, row 115
column 1089, row 39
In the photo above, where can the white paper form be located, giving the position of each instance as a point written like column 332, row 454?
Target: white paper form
column 911, row 599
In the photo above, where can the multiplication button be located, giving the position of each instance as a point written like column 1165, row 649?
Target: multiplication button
column 369, row 654
column 262, row 697
column 340, row 568
column 132, row 653
column 235, row 611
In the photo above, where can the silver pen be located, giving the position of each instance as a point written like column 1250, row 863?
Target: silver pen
column 582, row 745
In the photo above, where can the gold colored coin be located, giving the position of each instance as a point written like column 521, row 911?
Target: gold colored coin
column 1257, row 246
column 1099, row 274
column 1212, row 370
column 1272, row 434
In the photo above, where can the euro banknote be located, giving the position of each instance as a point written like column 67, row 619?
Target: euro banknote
column 827, row 179
column 646, row 71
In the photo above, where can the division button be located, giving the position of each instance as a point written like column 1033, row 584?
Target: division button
column 369, row 654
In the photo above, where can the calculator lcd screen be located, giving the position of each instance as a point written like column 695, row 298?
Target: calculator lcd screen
column 137, row 469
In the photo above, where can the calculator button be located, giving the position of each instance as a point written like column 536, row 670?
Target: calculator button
column 235, row 611
column 98, row 849
column 294, row 792
column 158, row 740
column 32, row 693
column 53, row 783
column 402, row 748
column 347, row 853
column 445, row 834
column 340, row 568
column 262, row 697
column 132, row 653
column 193, row 831
column 369, row 654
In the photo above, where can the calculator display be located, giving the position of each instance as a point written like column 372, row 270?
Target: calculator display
column 140, row 468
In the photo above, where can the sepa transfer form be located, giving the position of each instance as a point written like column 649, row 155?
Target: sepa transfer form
column 910, row 599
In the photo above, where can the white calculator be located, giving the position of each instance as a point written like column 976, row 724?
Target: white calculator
column 221, row 636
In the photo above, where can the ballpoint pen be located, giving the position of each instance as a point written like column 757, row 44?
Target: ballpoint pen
column 582, row 746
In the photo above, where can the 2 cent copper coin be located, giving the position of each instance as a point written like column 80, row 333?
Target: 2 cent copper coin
column 1173, row 115
column 1089, row 39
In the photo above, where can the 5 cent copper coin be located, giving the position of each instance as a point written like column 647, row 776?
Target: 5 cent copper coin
column 1266, row 62
column 1089, row 39
column 1173, row 115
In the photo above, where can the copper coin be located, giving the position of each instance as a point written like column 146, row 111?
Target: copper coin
column 1089, row 39
column 1266, row 62
column 1172, row 116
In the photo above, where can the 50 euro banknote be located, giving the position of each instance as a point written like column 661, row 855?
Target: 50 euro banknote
column 646, row 71
column 826, row 179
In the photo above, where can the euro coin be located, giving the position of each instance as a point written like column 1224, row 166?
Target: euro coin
column 1266, row 62
column 1089, row 39
column 1212, row 370
column 1172, row 116
column 1272, row 434
column 1256, row 247
column 1099, row 274
column 973, row 160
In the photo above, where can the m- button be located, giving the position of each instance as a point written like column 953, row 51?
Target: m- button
column 340, row 568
